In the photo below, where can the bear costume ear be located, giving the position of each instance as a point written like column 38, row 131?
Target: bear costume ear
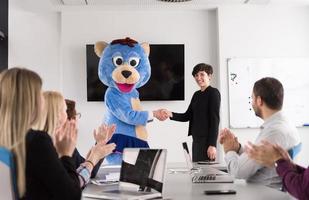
column 99, row 47
column 146, row 48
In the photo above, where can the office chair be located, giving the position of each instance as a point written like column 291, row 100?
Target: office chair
column 8, row 186
column 295, row 150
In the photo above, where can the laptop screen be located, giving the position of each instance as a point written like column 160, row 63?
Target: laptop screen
column 187, row 155
column 144, row 168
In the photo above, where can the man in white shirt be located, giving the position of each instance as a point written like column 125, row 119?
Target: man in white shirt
column 267, row 100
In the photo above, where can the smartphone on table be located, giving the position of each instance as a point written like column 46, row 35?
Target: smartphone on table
column 217, row 192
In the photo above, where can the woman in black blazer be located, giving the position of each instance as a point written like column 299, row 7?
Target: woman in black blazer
column 202, row 114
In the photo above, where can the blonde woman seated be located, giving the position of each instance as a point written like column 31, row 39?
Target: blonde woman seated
column 42, row 172
column 52, row 121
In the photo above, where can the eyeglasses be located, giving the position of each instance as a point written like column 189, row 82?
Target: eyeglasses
column 78, row 115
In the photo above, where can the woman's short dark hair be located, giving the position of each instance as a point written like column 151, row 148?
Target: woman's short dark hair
column 202, row 67
column 271, row 92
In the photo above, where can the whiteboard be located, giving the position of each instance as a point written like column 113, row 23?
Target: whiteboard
column 293, row 73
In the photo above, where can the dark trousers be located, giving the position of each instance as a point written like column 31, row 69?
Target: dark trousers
column 199, row 149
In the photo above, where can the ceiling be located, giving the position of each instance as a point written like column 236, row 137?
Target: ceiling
column 152, row 2
column 161, row 2
column 61, row 5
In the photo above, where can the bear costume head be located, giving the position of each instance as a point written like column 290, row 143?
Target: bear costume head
column 124, row 64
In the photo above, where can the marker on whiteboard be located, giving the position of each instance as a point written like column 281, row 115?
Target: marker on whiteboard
column 305, row 124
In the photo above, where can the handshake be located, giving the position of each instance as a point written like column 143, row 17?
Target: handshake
column 162, row 114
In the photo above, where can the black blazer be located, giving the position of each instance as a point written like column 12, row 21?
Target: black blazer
column 47, row 176
column 203, row 115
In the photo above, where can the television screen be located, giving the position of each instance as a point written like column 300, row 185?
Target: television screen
column 167, row 74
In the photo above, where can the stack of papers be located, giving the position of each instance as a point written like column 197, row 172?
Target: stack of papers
column 114, row 176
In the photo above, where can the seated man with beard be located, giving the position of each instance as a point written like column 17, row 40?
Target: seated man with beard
column 267, row 100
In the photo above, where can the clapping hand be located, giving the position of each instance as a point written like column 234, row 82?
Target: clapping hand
column 228, row 140
column 266, row 153
column 284, row 154
column 104, row 133
column 65, row 138
column 225, row 134
column 100, row 151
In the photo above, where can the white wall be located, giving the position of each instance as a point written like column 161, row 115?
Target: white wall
column 195, row 29
column 34, row 42
column 258, row 32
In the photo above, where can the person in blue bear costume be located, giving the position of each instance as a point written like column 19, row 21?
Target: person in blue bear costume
column 123, row 67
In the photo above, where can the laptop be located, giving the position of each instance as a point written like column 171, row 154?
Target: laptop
column 188, row 158
column 141, row 176
column 205, row 174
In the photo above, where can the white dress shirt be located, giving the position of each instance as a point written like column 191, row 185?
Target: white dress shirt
column 277, row 130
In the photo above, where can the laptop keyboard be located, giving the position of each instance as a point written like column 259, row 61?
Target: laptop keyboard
column 203, row 178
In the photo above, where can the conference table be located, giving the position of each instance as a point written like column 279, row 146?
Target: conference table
column 178, row 186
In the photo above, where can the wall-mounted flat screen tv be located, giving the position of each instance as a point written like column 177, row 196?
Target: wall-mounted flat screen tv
column 167, row 74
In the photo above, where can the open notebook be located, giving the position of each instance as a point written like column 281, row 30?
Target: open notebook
column 141, row 176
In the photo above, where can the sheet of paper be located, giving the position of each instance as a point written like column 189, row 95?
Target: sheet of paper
column 113, row 176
